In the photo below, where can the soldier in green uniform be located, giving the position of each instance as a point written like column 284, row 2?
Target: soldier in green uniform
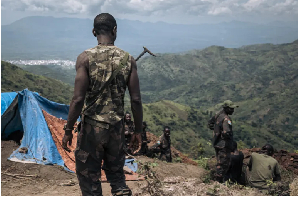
column 101, row 136
column 163, row 146
column 221, row 123
column 262, row 167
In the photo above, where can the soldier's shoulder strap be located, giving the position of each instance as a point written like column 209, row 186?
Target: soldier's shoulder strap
column 115, row 72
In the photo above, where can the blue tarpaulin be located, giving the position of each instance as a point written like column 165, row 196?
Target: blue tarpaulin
column 26, row 115
column 37, row 137
column 6, row 99
column 131, row 164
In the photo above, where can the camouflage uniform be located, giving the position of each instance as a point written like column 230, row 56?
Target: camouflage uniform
column 102, row 132
column 222, row 142
column 163, row 146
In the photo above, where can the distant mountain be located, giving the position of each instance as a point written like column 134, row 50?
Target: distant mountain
column 43, row 37
column 14, row 78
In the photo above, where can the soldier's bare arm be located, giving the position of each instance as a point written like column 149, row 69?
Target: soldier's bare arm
column 81, row 86
column 136, row 105
column 135, row 95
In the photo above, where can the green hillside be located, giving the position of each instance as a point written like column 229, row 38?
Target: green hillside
column 52, row 71
column 14, row 78
column 262, row 79
column 185, row 90
column 189, row 127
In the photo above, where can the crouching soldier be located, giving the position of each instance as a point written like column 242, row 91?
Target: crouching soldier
column 262, row 167
column 163, row 146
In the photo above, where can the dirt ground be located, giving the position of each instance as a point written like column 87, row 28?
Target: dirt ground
column 19, row 179
column 171, row 179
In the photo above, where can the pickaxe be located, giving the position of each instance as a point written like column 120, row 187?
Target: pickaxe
column 145, row 50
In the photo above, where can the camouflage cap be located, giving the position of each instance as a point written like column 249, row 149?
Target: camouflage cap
column 229, row 103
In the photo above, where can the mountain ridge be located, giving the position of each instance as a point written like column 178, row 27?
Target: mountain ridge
column 65, row 38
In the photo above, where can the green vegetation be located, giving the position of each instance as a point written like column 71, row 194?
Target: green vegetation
column 184, row 90
column 52, row 71
column 14, row 78
column 188, row 125
column 262, row 79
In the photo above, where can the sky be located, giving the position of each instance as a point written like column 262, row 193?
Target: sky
column 170, row 11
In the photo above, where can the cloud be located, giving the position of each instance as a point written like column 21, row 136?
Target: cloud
column 65, row 6
column 220, row 10
column 158, row 8
column 285, row 7
column 274, row 7
column 253, row 4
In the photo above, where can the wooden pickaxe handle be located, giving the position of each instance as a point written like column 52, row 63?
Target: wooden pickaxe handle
column 140, row 55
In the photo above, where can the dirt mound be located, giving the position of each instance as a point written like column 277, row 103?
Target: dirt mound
column 163, row 169
column 175, row 153
column 288, row 161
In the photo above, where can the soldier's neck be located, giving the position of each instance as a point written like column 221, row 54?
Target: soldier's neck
column 105, row 40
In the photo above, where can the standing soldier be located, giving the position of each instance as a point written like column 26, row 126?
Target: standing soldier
column 129, row 131
column 222, row 138
column 163, row 145
column 102, row 75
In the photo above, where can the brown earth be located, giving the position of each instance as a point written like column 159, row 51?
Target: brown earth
column 19, row 179
column 176, row 179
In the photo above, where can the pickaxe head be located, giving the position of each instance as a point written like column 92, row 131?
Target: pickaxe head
column 147, row 50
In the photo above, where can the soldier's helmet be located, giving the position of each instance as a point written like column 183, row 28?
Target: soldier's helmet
column 229, row 103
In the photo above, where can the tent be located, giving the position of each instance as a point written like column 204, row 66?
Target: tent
column 31, row 114
column 6, row 99
column 25, row 114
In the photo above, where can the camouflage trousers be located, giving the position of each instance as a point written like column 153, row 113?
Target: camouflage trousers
column 223, row 163
column 94, row 144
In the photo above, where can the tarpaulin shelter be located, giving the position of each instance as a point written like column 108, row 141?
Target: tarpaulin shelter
column 6, row 99
column 27, row 113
